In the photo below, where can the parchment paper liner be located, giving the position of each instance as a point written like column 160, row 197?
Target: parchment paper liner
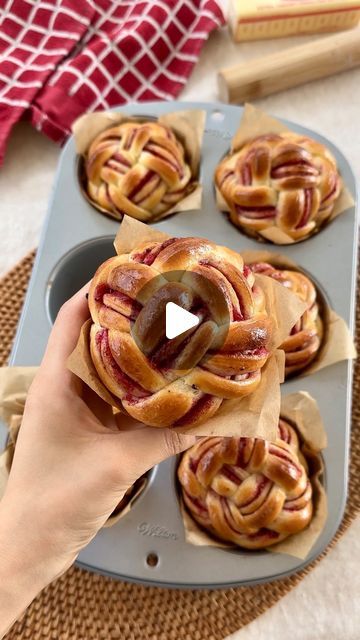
column 137, row 488
column 256, row 414
column 337, row 343
column 14, row 387
column 187, row 125
column 301, row 410
column 256, row 122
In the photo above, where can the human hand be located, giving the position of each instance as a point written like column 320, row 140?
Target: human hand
column 73, row 461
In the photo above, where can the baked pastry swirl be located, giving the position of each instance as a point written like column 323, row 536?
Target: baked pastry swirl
column 288, row 181
column 248, row 491
column 183, row 381
column 137, row 169
column 305, row 338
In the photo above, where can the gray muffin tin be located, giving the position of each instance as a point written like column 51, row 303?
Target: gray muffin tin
column 75, row 240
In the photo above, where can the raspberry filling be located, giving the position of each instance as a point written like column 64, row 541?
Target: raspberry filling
column 243, row 457
column 130, row 139
column 120, row 158
column 268, row 533
column 293, row 168
column 197, row 504
column 194, row 462
column 199, row 407
column 284, row 433
column 286, row 506
column 256, row 213
column 149, row 255
column 105, row 296
column 156, row 151
column 228, row 517
column 280, row 454
column 116, row 166
column 237, row 314
column 118, row 163
column 333, row 189
column 244, row 376
column 225, row 177
column 296, row 328
column 167, row 351
column 261, row 486
column 129, row 386
column 264, row 533
column 246, row 175
column 307, row 209
column 260, row 352
column 150, row 179
column 230, row 474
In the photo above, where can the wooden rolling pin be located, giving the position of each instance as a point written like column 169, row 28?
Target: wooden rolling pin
column 290, row 67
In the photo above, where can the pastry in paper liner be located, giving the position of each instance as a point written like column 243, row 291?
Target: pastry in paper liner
column 144, row 168
column 255, row 414
column 256, row 494
column 183, row 381
column 278, row 185
column 336, row 340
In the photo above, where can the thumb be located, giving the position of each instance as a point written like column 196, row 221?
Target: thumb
column 143, row 447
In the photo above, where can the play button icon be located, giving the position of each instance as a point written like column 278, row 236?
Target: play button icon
column 178, row 320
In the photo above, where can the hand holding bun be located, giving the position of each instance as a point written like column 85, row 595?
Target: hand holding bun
column 137, row 169
column 285, row 180
column 183, row 381
column 248, row 491
column 304, row 341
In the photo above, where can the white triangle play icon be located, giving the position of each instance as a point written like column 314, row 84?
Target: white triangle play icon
column 178, row 320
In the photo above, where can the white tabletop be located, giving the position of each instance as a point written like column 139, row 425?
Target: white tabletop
column 326, row 605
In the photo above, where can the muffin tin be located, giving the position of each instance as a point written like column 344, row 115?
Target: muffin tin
column 147, row 545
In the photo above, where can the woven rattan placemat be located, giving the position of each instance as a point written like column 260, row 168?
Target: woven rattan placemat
column 84, row 606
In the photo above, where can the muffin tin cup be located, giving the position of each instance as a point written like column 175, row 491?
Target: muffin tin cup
column 148, row 544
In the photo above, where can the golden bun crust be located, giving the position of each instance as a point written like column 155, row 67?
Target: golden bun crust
column 283, row 180
column 304, row 341
column 183, row 381
column 137, row 169
column 247, row 491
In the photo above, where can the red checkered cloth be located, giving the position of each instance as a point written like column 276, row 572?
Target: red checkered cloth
column 61, row 58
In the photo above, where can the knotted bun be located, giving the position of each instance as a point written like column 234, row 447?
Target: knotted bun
column 287, row 180
column 304, row 341
column 248, row 491
column 182, row 381
column 137, row 169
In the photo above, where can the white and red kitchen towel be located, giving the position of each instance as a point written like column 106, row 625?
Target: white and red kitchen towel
column 61, row 58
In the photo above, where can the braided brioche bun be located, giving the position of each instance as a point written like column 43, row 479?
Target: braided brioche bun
column 304, row 341
column 247, row 491
column 138, row 169
column 287, row 180
column 183, row 381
